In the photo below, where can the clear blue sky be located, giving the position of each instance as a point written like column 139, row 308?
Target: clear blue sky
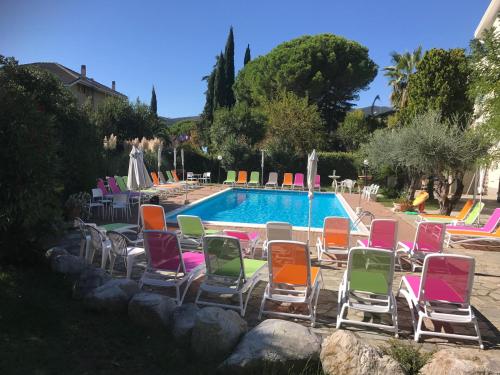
column 173, row 44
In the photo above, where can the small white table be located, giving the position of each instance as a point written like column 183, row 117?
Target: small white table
column 335, row 185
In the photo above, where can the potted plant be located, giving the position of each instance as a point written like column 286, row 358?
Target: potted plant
column 402, row 204
column 76, row 205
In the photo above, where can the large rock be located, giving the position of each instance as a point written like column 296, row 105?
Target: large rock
column 274, row 346
column 112, row 296
column 344, row 352
column 183, row 321
column 462, row 362
column 151, row 309
column 90, row 279
column 216, row 332
column 67, row 264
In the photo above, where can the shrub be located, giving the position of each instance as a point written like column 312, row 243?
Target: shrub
column 410, row 357
column 344, row 164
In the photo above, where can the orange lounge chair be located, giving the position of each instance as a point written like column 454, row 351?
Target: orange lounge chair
column 459, row 217
column 176, row 179
column 335, row 239
column 153, row 217
column 287, row 181
column 242, row 178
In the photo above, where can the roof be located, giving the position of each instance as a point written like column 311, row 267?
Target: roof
column 488, row 18
column 69, row 77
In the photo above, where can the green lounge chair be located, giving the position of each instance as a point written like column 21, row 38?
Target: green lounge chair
column 228, row 273
column 192, row 231
column 469, row 220
column 367, row 287
column 170, row 177
column 254, row 179
column 231, row 178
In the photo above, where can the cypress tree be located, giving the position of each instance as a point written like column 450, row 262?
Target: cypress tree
column 208, row 110
column 247, row 58
column 229, row 69
column 220, row 99
column 153, row 106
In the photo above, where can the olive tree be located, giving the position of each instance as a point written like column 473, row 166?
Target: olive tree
column 430, row 145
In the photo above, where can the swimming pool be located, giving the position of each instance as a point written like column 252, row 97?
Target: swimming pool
column 255, row 207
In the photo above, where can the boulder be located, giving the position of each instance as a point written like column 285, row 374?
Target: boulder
column 344, row 352
column 151, row 309
column 183, row 321
column 89, row 279
column 274, row 346
column 112, row 296
column 216, row 332
column 462, row 362
column 67, row 264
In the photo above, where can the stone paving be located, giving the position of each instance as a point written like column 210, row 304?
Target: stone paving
column 485, row 295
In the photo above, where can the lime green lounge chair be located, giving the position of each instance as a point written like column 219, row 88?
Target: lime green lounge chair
column 170, row 178
column 228, row 273
column 192, row 231
column 254, row 179
column 231, row 178
column 469, row 220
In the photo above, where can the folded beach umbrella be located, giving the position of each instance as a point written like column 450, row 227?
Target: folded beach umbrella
column 312, row 166
column 138, row 176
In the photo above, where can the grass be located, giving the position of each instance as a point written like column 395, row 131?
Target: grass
column 410, row 357
column 44, row 331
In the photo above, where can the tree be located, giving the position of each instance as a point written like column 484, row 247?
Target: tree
column 485, row 81
column 294, row 129
column 403, row 66
column 153, row 106
column 430, row 145
column 440, row 83
column 220, row 83
column 247, row 58
column 354, row 130
column 208, row 109
column 229, row 69
column 328, row 70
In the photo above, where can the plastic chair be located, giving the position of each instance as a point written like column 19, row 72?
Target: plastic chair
column 298, row 182
column 98, row 242
column 460, row 216
column 272, row 180
column 120, row 202
column 242, row 178
column 167, row 265
column 335, row 238
column 276, row 231
column 347, row 184
column 317, row 182
column 429, row 239
column 122, row 247
column 227, row 273
column 291, row 279
column 488, row 227
column 248, row 240
column 442, row 293
column 383, row 235
column 367, row 287
column 287, row 180
column 231, row 178
column 97, row 200
column 153, row 217
column 192, row 231
column 254, row 179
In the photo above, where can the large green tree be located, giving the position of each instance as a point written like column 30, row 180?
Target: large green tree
column 247, row 57
column 440, row 83
column 354, row 130
column 220, row 83
column 208, row 110
column 327, row 69
column 403, row 66
column 154, row 105
column 229, row 68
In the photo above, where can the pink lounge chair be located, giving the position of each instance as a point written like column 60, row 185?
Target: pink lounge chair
column 488, row 227
column 442, row 293
column 317, row 182
column 383, row 235
column 429, row 239
column 298, row 181
column 102, row 187
column 167, row 265
column 115, row 189
column 248, row 240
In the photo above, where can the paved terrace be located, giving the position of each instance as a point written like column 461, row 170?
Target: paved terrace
column 485, row 295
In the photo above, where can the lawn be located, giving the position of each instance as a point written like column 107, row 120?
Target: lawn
column 44, row 331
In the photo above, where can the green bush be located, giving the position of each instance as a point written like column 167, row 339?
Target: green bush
column 410, row 357
column 344, row 164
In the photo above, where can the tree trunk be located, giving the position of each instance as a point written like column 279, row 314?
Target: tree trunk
column 442, row 189
column 413, row 187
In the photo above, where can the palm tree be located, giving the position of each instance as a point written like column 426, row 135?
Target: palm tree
column 399, row 73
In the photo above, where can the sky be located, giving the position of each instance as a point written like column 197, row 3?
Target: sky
column 172, row 45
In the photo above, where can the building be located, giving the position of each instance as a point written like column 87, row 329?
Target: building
column 82, row 87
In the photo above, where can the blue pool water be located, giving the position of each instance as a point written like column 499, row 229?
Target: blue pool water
column 260, row 206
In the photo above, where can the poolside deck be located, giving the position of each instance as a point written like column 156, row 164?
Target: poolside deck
column 485, row 295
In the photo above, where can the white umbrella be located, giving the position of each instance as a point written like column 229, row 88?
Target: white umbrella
column 175, row 158
column 262, row 167
column 312, row 166
column 160, row 148
column 138, row 176
column 182, row 161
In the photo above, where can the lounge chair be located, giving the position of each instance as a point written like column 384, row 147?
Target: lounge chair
column 122, row 247
column 490, row 225
column 287, row 181
column 272, row 181
column 442, row 293
column 230, row 178
column 317, row 182
column 460, row 216
column 429, row 239
column 298, row 181
column 242, row 178
column 187, row 184
column 335, row 238
column 167, row 265
column 254, row 179
column 367, row 287
column 469, row 219
column 153, row 217
column 474, row 237
column 102, row 186
column 383, row 235
column 292, row 280
column 248, row 240
column 276, row 231
column 170, row 178
column 192, row 231
column 228, row 273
